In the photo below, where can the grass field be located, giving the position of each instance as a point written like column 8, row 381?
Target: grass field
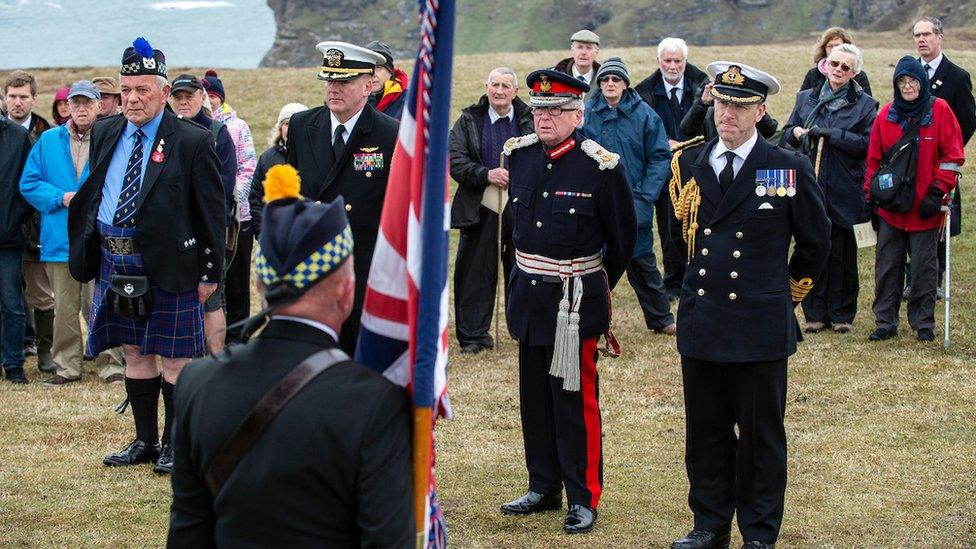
column 882, row 437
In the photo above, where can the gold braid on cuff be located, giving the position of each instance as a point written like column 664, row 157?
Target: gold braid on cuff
column 800, row 288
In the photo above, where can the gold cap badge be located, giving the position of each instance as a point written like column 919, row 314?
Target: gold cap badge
column 733, row 76
column 334, row 57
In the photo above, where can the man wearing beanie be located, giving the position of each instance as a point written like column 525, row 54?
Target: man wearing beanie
column 344, row 148
column 626, row 125
column 240, row 238
column 389, row 83
column 331, row 465
column 148, row 224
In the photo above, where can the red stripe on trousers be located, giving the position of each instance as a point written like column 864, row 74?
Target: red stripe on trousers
column 591, row 420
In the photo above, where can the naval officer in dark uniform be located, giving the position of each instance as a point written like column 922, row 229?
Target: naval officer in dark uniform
column 344, row 149
column 332, row 468
column 739, row 202
column 574, row 233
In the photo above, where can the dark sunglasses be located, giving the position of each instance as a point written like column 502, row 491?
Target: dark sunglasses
column 834, row 64
column 613, row 78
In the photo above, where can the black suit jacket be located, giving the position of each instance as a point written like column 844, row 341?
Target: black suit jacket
column 332, row 470
column 180, row 219
column 952, row 83
column 748, row 316
column 357, row 176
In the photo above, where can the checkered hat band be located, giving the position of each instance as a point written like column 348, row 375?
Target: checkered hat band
column 315, row 266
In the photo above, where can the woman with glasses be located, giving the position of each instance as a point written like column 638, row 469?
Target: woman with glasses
column 939, row 158
column 831, row 38
column 832, row 125
column 618, row 119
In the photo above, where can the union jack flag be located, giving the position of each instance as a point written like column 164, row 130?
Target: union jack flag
column 404, row 322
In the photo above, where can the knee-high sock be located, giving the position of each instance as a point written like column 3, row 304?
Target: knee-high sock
column 144, row 399
column 167, row 410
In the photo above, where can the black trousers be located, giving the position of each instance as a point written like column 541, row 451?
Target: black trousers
column 834, row 299
column 646, row 280
column 476, row 276
column 744, row 475
column 237, row 281
column 561, row 429
column 889, row 271
column 674, row 262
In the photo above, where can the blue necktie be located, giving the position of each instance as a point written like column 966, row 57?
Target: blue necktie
column 125, row 213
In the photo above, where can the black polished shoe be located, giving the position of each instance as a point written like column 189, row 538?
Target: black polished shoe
column 135, row 453
column 164, row 465
column 579, row 519
column 925, row 334
column 700, row 539
column 532, row 502
column 758, row 545
column 881, row 334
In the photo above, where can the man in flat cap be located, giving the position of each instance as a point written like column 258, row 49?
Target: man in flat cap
column 739, row 203
column 344, row 148
column 584, row 46
column 574, row 233
column 148, row 225
column 332, row 468
column 111, row 94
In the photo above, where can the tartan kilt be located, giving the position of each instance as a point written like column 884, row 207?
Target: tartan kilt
column 174, row 328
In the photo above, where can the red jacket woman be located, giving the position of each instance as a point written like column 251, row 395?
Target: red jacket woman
column 915, row 233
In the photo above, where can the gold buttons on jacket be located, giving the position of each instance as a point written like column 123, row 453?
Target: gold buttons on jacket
column 732, row 296
column 707, row 231
column 701, row 272
column 733, row 275
column 701, row 291
column 736, row 254
column 348, row 207
column 704, row 251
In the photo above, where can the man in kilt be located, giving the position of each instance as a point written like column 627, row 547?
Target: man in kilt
column 149, row 224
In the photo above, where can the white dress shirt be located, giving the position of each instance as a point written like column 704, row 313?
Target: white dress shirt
column 308, row 322
column 717, row 161
column 588, row 76
column 933, row 64
column 348, row 125
column 680, row 86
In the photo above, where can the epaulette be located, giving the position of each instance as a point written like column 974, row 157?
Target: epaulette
column 607, row 160
column 697, row 140
column 519, row 142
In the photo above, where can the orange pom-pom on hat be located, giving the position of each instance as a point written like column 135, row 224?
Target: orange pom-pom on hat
column 281, row 182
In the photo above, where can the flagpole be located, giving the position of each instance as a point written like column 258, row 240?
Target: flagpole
column 422, row 432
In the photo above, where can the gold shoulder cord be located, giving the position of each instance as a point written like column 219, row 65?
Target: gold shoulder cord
column 686, row 198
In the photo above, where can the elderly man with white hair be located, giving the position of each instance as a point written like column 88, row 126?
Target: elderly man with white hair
column 670, row 91
column 477, row 139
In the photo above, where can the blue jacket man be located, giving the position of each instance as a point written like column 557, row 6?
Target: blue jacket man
column 620, row 121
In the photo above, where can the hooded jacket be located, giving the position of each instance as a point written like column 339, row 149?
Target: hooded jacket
column 635, row 132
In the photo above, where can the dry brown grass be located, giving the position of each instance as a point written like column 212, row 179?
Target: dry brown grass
column 882, row 437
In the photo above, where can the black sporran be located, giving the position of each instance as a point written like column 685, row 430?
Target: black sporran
column 130, row 296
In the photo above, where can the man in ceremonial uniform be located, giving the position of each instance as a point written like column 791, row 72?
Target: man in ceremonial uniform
column 574, row 233
column 738, row 203
column 333, row 467
column 148, row 224
column 344, row 149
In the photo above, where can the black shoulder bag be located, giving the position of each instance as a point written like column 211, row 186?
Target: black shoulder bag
column 264, row 412
column 893, row 185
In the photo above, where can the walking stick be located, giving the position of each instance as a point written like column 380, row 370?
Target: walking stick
column 500, row 279
column 816, row 167
column 947, row 231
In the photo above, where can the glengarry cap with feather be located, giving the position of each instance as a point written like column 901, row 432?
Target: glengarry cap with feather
column 141, row 59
